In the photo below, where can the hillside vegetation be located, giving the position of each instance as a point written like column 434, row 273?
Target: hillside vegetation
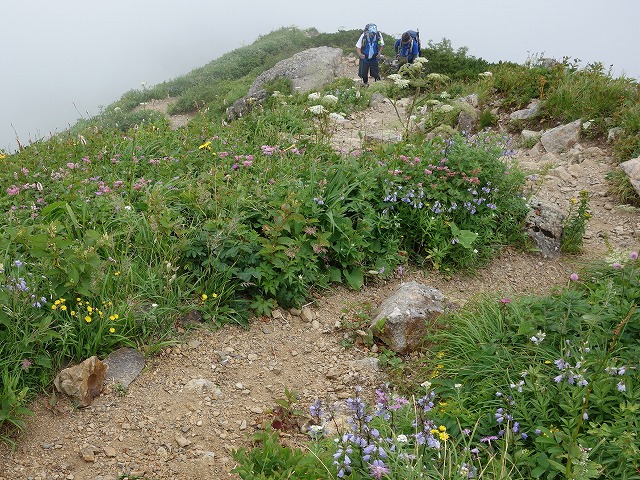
column 120, row 226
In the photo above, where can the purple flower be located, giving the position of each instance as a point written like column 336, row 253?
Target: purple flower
column 573, row 277
column 25, row 363
column 633, row 255
column 621, row 387
column 378, row 469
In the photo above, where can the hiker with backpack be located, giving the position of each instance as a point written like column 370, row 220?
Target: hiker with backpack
column 407, row 47
column 369, row 48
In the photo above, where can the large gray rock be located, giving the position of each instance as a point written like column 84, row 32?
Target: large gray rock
column 526, row 113
column 632, row 169
column 544, row 225
column 562, row 138
column 125, row 364
column 307, row 70
column 407, row 315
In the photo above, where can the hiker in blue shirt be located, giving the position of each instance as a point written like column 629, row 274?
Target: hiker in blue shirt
column 369, row 48
column 407, row 47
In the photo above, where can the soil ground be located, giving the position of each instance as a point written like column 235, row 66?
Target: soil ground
column 162, row 428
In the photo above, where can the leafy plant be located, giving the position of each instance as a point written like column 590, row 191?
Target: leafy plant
column 574, row 225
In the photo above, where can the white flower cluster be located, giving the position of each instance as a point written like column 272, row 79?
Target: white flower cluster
column 399, row 80
column 485, row 74
column 444, row 108
column 420, row 60
column 337, row 117
column 445, row 95
column 437, row 77
column 330, row 100
column 317, row 109
column 312, row 97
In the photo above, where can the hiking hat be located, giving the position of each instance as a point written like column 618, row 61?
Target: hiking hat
column 372, row 28
column 406, row 37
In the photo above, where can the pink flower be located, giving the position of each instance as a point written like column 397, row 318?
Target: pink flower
column 617, row 266
column 574, row 277
column 505, row 300
column 633, row 255
column 25, row 363
column 13, row 190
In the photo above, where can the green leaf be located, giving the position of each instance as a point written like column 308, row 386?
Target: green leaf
column 355, row 277
column 335, row 275
column 465, row 237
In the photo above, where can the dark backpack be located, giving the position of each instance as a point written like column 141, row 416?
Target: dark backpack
column 366, row 38
column 415, row 37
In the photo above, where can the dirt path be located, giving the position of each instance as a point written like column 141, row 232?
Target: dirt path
column 197, row 401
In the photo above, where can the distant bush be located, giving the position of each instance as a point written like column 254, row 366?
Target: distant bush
column 456, row 64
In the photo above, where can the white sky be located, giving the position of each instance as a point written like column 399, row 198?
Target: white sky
column 64, row 59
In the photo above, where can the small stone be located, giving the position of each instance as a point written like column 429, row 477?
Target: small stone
column 307, row 315
column 316, row 325
column 257, row 410
column 88, row 454
column 294, row 353
column 182, row 441
column 333, row 373
column 109, row 451
column 252, row 357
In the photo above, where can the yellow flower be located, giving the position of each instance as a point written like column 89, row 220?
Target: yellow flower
column 89, row 308
column 206, row 145
column 87, row 319
column 54, row 307
column 78, row 300
column 116, row 273
column 57, row 302
column 204, row 297
column 73, row 312
column 2, row 156
column 444, row 436
column 100, row 313
column 442, row 428
column 214, row 295
column 547, row 362
column 112, row 330
column 63, row 307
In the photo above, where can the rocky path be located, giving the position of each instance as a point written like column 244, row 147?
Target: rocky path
column 196, row 401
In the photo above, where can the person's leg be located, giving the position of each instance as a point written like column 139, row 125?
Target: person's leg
column 363, row 71
column 375, row 71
